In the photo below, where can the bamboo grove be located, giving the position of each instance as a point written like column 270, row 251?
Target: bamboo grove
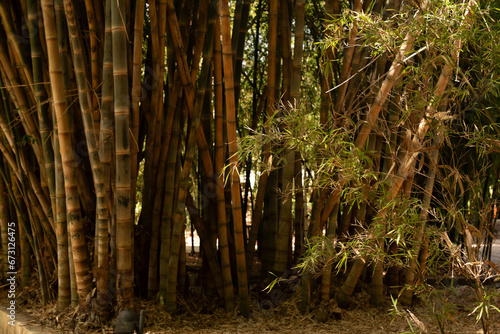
column 364, row 129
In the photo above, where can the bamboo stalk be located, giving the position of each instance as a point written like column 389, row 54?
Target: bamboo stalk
column 136, row 91
column 232, row 151
column 26, row 77
column 171, row 179
column 95, row 72
column 171, row 133
column 19, row 98
column 4, row 228
column 64, row 296
column 285, row 218
column 177, row 219
column 240, row 28
column 222, row 226
column 205, row 245
column 80, row 259
column 187, row 83
column 44, row 119
column 156, row 106
column 331, row 233
column 124, row 221
column 387, row 84
column 105, row 151
column 347, row 62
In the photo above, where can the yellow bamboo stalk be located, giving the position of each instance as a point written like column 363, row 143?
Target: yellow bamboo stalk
column 79, row 247
column 40, row 97
column 94, row 61
column 63, row 256
column 124, row 221
column 392, row 75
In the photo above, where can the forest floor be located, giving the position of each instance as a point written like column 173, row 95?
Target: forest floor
column 279, row 311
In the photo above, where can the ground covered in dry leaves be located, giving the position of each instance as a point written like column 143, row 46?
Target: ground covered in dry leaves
column 284, row 319
column 199, row 314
